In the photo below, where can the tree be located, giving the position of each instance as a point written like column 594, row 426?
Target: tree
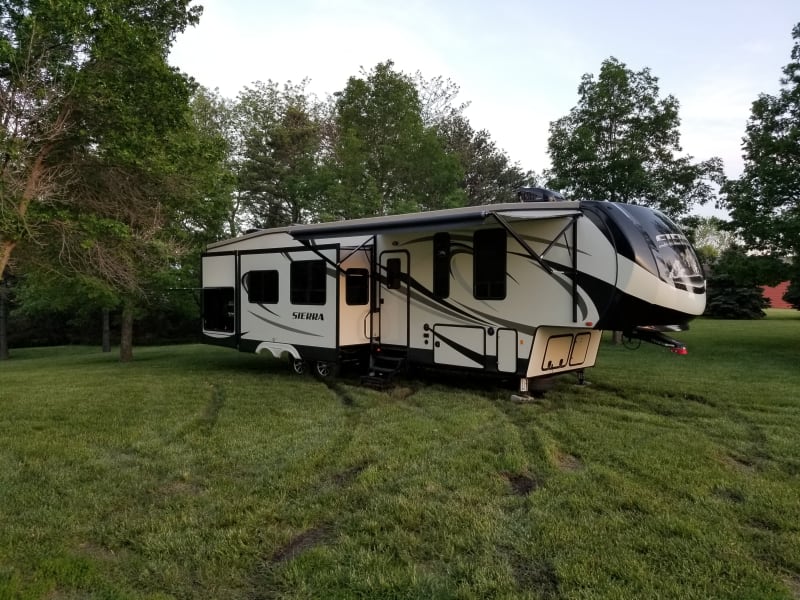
column 384, row 160
column 5, row 300
column 278, row 169
column 67, row 64
column 92, row 114
column 208, row 156
column 792, row 295
column 489, row 175
column 621, row 143
column 764, row 203
column 734, row 287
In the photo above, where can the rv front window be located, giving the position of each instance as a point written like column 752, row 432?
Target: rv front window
column 356, row 285
column 674, row 256
column 218, row 309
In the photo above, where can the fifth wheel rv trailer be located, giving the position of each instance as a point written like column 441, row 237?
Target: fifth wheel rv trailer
column 518, row 290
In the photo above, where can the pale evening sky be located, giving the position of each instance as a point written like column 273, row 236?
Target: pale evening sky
column 518, row 63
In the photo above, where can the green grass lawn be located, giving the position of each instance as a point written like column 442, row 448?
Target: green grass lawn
column 199, row 472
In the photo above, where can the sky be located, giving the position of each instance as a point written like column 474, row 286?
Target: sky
column 517, row 63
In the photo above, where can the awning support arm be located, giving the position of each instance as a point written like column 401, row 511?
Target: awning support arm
column 540, row 257
column 504, row 224
column 560, row 233
column 310, row 246
column 360, row 246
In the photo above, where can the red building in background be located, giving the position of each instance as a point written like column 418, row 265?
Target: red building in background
column 775, row 295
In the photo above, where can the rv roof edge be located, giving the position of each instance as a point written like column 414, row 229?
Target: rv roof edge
column 434, row 219
column 417, row 221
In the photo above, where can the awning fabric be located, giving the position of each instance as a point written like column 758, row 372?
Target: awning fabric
column 435, row 220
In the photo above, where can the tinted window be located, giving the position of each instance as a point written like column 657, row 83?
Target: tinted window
column 262, row 287
column 393, row 271
column 675, row 258
column 356, row 287
column 307, row 282
column 489, row 264
column 441, row 265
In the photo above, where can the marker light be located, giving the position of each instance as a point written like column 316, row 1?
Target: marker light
column 682, row 350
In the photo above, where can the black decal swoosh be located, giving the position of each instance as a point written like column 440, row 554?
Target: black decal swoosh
column 463, row 350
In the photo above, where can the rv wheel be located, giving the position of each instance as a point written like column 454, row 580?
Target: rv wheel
column 326, row 369
column 298, row 365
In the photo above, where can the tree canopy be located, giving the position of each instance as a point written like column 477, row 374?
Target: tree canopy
column 102, row 162
column 764, row 203
column 384, row 159
column 621, row 143
column 80, row 83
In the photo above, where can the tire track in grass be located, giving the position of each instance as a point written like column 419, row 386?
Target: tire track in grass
column 303, row 541
column 650, row 401
column 208, row 419
column 267, row 579
column 521, row 417
column 538, row 576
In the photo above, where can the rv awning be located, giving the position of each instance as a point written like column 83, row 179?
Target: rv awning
column 434, row 220
column 530, row 215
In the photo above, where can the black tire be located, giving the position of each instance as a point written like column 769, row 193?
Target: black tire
column 325, row 369
column 298, row 365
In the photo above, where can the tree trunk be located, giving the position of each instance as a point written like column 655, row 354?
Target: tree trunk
column 126, row 334
column 616, row 338
column 106, row 330
column 6, row 248
column 3, row 323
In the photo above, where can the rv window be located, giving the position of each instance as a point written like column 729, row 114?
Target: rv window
column 218, row 311
column 356, row 287
column 489, row 264
column 393, row 270
column 307, row 282
column 262, row 287
column 441, row 265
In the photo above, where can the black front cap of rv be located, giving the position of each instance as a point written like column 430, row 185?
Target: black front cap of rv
column 649, row 239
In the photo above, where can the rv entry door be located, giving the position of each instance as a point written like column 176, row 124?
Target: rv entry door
column 393, row 298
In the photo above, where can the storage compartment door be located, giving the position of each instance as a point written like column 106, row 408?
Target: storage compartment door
column 507, row 344
column 459, row 346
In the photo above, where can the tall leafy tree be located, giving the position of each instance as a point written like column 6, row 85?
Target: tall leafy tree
column 621, row 143
column 70, row 70
column 92, row 117
column 205, row 158
column 764, row 203
column 384, row 160
column 489, row 176
column 734, row 286
column 278, row 169
column 710, row 236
